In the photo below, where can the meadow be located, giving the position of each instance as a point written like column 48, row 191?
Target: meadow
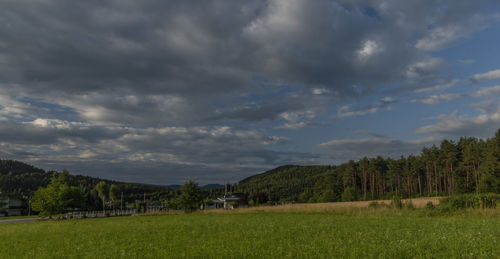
column 354, row 233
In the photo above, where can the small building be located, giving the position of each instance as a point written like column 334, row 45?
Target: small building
column 10, row 206
column 230, row 202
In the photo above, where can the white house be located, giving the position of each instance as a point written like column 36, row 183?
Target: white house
column 228, row 202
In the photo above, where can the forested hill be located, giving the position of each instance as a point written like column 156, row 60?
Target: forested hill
column 468, row 165
column 16, row 167
column 22, row 180
column 285, row 183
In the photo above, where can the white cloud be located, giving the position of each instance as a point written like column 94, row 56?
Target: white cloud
column 11, row 107
column 56, row 123
column 483, row 125
column 387, row 99
column 347, row 111
column 436, row 99
column 439, row 37
column 298, row 120
column 369, row 49
column 347, row 149
column 490, row 75
column 423, row 67
column 438, row 87
column 492, row 91
column 293, row 125
column 320, row 91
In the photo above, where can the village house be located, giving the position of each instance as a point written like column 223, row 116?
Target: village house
column 229, row 202
column 10, row 206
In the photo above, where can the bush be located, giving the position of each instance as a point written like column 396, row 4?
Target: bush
column 396, row 202
column 348, row 195
column 429, row 205
column 140, row 207
column 489, row 200
column 483, row 200
column 377, row 205
column 409, row 205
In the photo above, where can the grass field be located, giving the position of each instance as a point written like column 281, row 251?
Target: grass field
column 334, row 207
column 256, row 235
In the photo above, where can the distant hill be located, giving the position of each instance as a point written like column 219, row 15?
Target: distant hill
column 285, row 183
column 212, row 186
column 22, row 180
column 469, row 165
column 174, row 186
column 203, row 187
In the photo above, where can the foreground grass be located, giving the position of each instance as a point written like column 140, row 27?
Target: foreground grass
column 255, row 235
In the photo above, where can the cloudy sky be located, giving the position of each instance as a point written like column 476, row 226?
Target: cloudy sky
column 165, row 91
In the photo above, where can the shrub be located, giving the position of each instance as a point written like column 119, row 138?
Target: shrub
column 396, row 202
column 373, row 204
column 409, row 205
column 429, row 205
column 489, row 200
column 483, row 200
column 348, row 195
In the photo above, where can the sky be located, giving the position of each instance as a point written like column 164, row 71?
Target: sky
column 161, row 92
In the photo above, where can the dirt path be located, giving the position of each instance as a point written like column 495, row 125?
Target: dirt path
column 18, row 220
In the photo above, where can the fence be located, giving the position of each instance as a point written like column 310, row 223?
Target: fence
column 107, row 213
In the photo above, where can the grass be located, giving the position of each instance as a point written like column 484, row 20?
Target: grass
column 257, row 235
column 355, row 207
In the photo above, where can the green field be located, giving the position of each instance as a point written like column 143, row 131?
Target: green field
column 255, row 235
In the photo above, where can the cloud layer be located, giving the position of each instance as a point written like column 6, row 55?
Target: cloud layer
column 208, row 89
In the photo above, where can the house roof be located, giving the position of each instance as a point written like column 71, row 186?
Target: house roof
column 230, row 198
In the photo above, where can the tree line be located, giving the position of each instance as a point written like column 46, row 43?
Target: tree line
column 59, row 197
column 469, row 165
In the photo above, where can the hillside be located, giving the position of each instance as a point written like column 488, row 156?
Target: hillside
column 467, row 166
column 22, row 180
column 287, row 183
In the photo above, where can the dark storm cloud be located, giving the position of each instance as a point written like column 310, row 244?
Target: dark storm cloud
column 168, row 155
column 51, row 48
column 270, row 110
column 124, row 82
column 44, row 132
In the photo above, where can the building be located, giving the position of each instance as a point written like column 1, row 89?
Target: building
column 10, row 206
column 230, row 202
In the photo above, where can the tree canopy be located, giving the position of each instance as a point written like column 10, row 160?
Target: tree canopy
column 57, row 197
column 190, row 198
